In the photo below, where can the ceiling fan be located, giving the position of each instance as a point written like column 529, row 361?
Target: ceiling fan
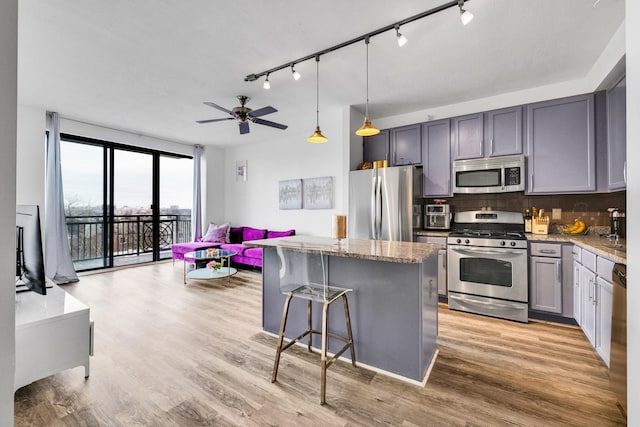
column 244, row 115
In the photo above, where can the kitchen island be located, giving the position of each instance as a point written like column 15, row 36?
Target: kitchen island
column 393, row 306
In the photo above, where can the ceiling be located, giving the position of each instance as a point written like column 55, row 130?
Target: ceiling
column 147, row 66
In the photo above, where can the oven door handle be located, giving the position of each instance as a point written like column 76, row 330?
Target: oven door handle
column 486, row 303
column 465, row 250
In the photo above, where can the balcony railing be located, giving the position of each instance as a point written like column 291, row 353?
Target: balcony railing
column 132, row 235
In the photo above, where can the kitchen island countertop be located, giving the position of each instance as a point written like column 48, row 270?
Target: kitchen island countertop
column 376, row 250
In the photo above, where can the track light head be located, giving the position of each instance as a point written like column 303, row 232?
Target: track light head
column 296, row 75
column 266, row 84
column 401, row 39
column 465, row 15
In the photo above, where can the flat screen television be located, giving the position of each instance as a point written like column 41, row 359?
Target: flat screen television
column 29, row 259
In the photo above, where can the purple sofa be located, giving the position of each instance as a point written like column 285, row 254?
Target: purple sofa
column 246, row 256
column 250, row 256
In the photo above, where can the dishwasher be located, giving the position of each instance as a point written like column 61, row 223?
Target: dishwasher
column 618, row 370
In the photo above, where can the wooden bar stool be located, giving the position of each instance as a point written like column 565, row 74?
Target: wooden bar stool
column 295, row 283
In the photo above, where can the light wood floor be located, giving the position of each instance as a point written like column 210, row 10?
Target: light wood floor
column 173, row 355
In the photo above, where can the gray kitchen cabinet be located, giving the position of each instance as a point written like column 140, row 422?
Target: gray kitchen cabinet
column 617, row 135
column 406, row 145
column 545, row 269
column 468, row 136
column 503, row 132
column 376, row 147
column 546, row 284
column 436, row 158
column 442, row 260
column 560, row 146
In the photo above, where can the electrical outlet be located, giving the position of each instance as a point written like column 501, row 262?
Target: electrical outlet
column 556, row 213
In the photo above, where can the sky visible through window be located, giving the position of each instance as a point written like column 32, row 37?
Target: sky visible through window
column 82, row 175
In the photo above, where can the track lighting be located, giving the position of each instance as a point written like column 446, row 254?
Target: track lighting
column 367, row 128
column 465, row 15
column 401, row 39
column 266, row 84
column 296, row 75
column 317, row 136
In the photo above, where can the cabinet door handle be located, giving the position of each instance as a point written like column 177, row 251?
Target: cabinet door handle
column 491, row 147
column 590, row 290
column 624, row 172
column 558, row 275
column 595, row 294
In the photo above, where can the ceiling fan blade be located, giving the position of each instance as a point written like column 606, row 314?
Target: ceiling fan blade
column 213, row 120
column 263, row 111
column 244, row 127
column 268, row 123
column 211, row 104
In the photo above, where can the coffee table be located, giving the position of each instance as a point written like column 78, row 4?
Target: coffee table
column 201, row 258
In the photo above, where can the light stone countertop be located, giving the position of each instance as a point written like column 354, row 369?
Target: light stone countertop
column 596, row 244
column 376, row 250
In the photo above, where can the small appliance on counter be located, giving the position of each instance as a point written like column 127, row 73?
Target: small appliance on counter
column 437, row 217
column 618, row 225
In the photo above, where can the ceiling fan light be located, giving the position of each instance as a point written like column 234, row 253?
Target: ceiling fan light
column 266, row 84
column 317, row 136
column 367, row 128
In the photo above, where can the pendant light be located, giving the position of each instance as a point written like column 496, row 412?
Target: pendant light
column 367, row 128
column 317, row 136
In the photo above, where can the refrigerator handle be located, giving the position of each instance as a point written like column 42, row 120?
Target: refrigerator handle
column 374, row 198
column 379, row 209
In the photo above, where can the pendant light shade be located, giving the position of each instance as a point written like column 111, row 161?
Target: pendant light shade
column 367, row 128
column 317, row 136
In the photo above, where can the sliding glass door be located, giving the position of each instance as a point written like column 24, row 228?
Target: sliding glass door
column 124, row 205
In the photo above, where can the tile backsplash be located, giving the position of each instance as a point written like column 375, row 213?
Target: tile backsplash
column 591, row 208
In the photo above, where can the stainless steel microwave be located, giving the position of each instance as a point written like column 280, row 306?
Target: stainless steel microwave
column 489, row 175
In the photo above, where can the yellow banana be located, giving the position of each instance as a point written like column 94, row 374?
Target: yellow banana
column 581, row 227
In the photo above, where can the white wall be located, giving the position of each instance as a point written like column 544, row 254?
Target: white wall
column 286, row 155
column 30, row 156
column 633, row 210
column 610, row 57
column 8, row 133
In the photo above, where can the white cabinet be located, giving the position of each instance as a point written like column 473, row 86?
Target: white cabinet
column 593, row 313
column 576, row 292
column 588, row 305
column 604, row 299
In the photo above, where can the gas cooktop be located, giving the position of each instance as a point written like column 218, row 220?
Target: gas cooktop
column 489, row 234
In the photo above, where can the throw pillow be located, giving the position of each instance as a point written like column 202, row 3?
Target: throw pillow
column 217, row 233
column 273, row 234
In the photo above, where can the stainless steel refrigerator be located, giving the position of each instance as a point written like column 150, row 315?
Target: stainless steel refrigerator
column 384, row 203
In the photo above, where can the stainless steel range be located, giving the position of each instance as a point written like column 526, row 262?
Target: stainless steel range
column 487, row 264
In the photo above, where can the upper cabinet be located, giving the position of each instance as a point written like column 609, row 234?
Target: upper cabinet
column 468, row 136
column 494, row 133
column 376, row 147
column 436, row 158
column 617, row 135
column 503, row 132
column 406, row 146
column 560, row 144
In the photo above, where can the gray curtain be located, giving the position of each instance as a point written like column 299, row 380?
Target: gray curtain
column 196, row 212
column 58, row 265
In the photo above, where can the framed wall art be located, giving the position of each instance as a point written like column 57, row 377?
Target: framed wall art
column 290, row 194
column 318, row 193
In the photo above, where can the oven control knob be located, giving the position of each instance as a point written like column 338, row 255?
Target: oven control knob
column 503, row 243
column 466, row 241
column 458, row 241
column 513, row 243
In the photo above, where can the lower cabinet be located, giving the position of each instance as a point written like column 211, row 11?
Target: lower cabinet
column 588, row 305
column 576, row 291
column 442, row 260
column 546, row 284
column 593, row 313
column 604, row 298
